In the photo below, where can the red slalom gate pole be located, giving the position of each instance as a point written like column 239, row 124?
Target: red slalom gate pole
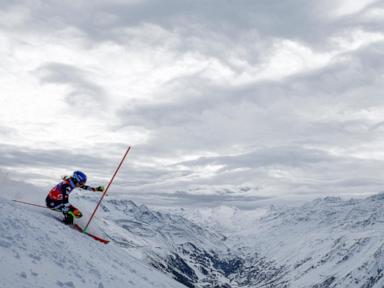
column 106, row 189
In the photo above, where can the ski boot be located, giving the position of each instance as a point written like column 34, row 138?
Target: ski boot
column 71, row 214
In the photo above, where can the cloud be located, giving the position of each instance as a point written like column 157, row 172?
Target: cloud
column 208, row 27
column 285, row 97
column 83, row 92
column 193, row 199
column 6, row 131
column 284, row 156
column 328, row 104
column 12, row 156
column 314, row 124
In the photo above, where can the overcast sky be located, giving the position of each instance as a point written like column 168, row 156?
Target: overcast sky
column 221, row 100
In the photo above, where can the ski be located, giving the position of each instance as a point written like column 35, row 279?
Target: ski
column 74, row 226
column 97, row 238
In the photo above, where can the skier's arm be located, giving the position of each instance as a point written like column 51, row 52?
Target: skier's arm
column 93, row 189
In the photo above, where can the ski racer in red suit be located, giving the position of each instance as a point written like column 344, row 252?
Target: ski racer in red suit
column 57, row 198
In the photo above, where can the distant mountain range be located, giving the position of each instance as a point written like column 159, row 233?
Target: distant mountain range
column 327, row 242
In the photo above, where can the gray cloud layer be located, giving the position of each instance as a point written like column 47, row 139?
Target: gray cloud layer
column 84, row 93
column 313, row 131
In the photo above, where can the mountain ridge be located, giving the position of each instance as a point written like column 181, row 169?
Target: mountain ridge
column 328, row 242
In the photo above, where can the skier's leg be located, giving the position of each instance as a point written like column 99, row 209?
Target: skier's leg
column 75, row 212
column 70, row 213
column 54, row 205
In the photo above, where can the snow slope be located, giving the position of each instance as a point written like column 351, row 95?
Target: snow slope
column 328, row 242
column 36, row 250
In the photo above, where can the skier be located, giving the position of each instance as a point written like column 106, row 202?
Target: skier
column 57, row 198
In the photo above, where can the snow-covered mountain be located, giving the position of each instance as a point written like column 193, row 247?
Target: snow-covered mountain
column 328, row 242
column 193, row 255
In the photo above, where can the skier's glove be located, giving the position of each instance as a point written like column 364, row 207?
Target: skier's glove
column 100, row 188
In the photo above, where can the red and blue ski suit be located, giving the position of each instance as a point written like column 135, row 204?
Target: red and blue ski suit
column 57, row 198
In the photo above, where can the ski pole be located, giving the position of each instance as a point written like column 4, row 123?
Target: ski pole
column 27, row 203
column 106, row 189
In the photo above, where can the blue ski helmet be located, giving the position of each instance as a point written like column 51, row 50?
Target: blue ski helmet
column 80, row 177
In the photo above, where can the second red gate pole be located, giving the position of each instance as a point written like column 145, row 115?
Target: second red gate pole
column 106, row 189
